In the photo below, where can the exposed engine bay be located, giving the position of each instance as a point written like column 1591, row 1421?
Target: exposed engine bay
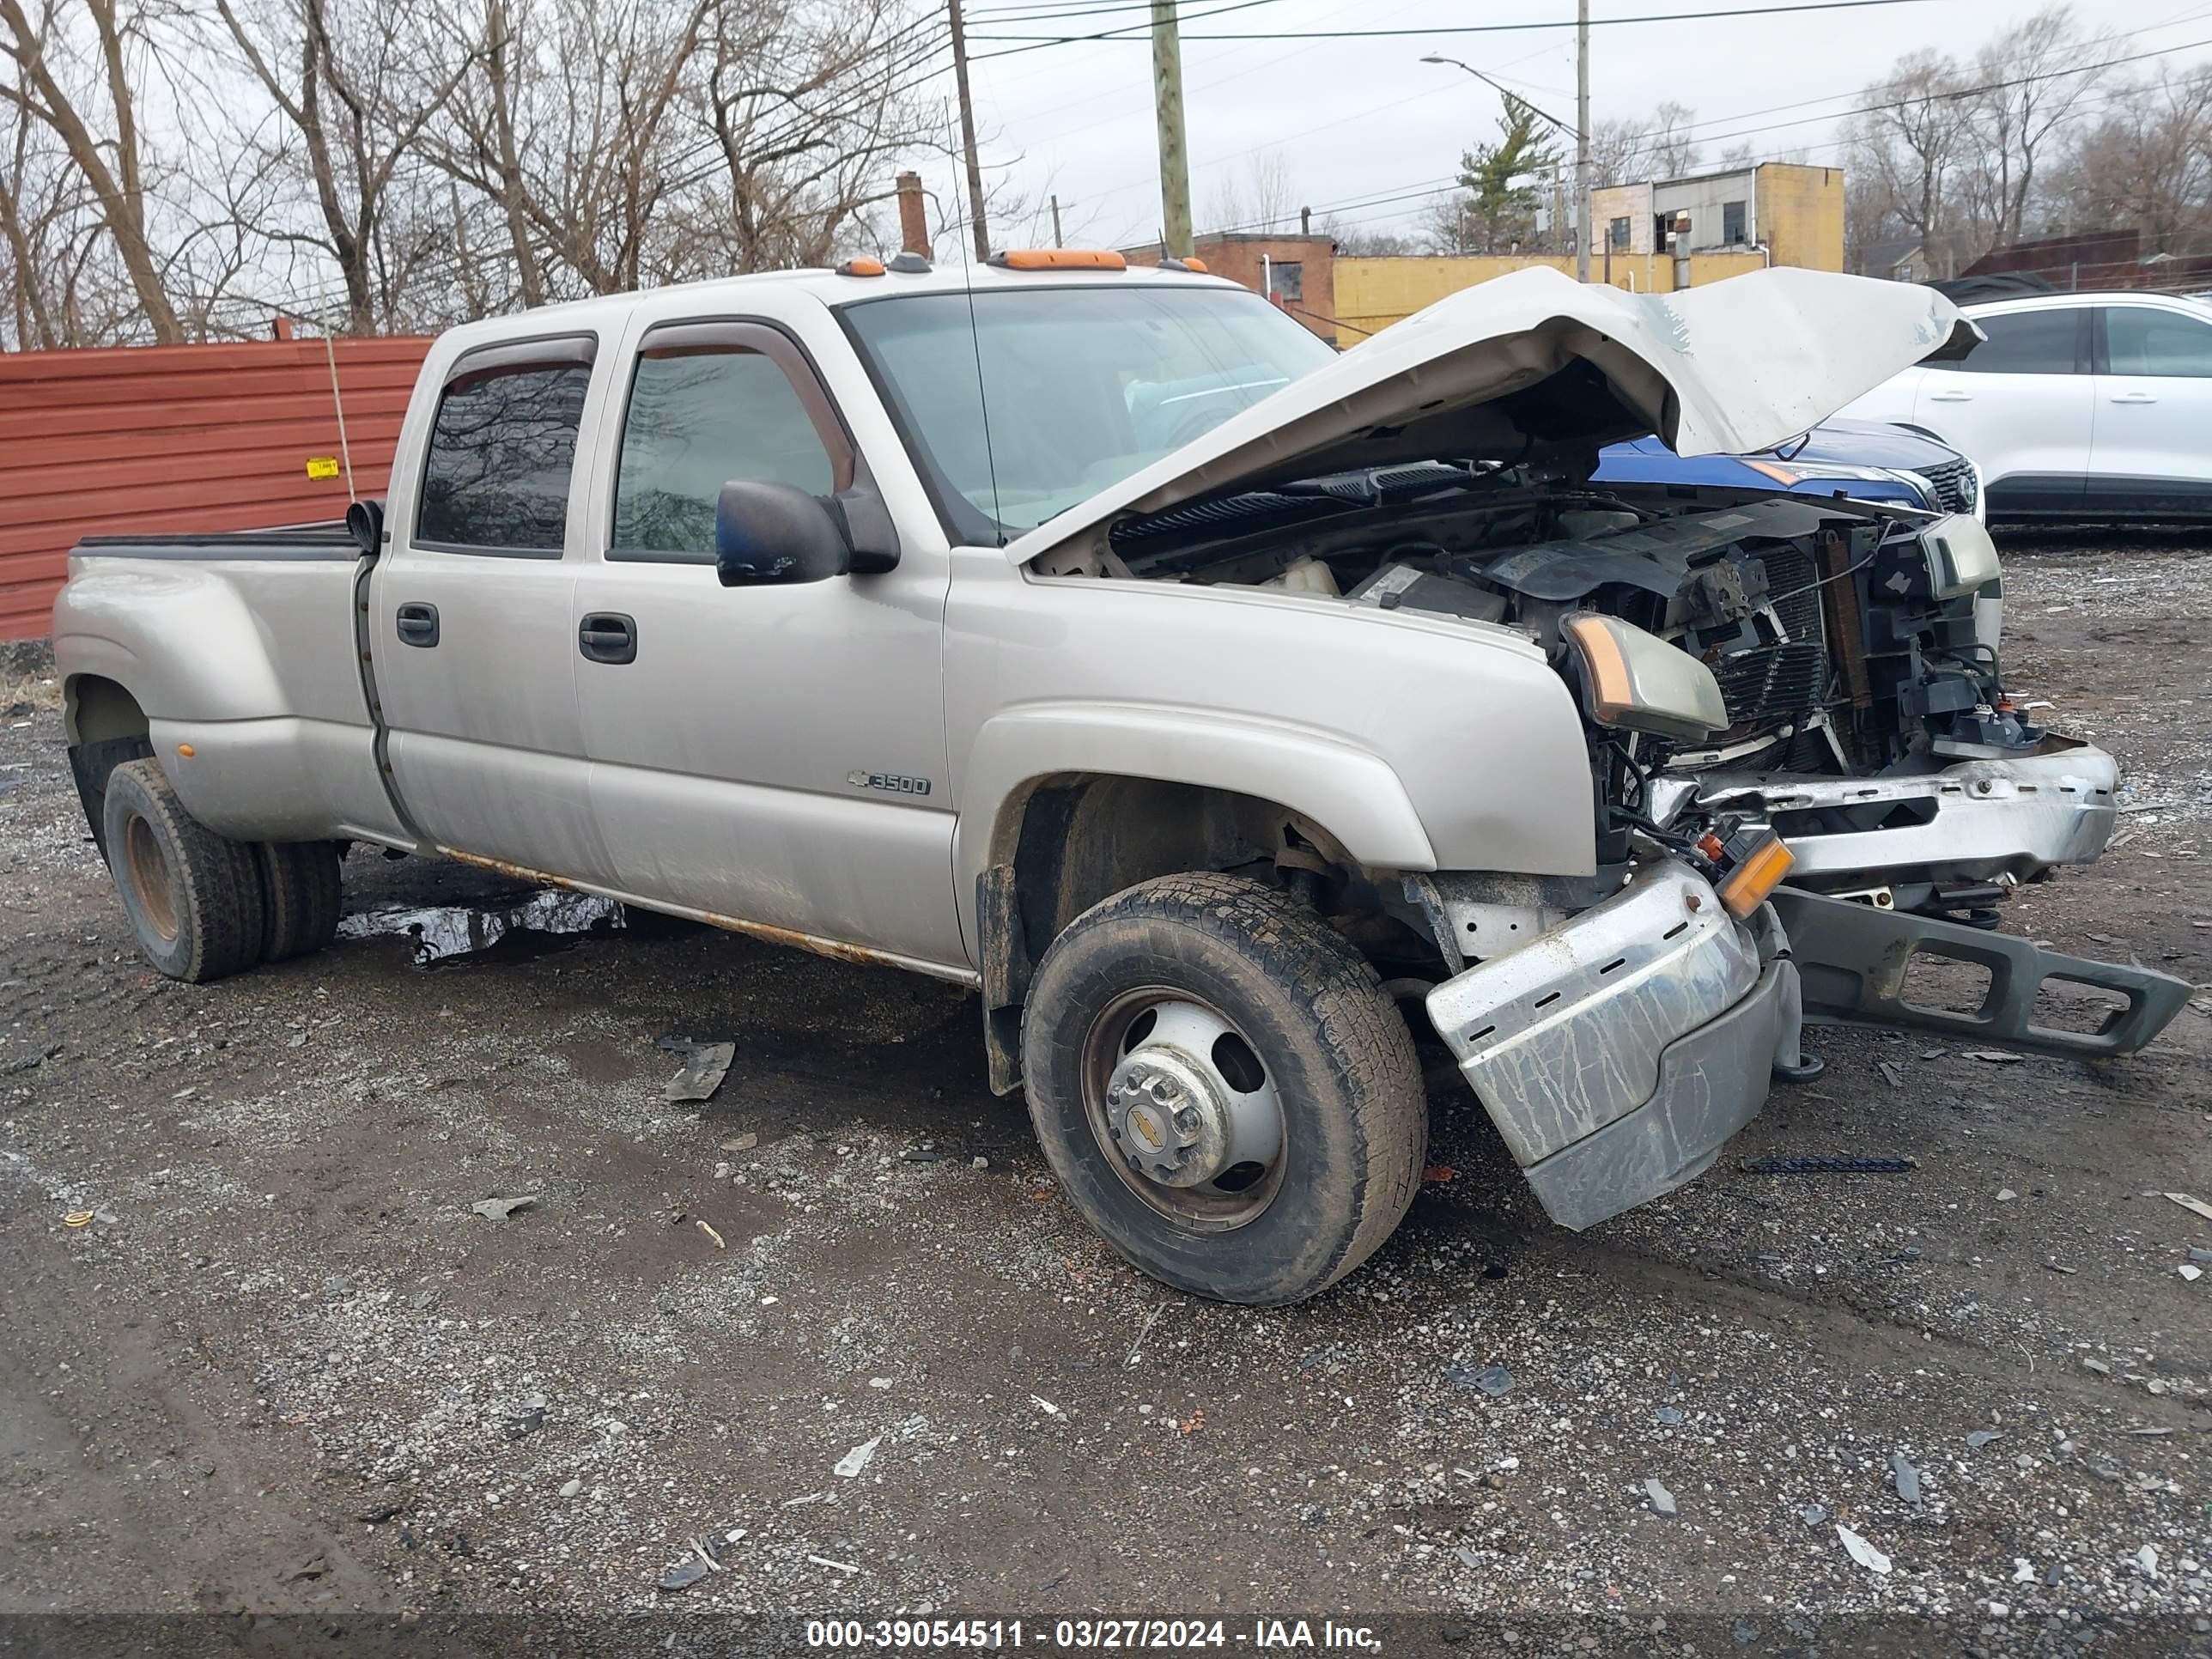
column 1845, row 638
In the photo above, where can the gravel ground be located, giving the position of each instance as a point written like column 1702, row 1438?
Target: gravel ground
column 838, row 1328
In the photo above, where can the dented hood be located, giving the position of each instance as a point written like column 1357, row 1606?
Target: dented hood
column 1536, row 365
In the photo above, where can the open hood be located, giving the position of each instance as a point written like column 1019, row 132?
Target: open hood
column 1536, row 365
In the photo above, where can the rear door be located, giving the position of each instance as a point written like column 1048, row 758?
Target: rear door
column 769, row 755
column 2151, row 453
column 2018, row 406
column 473, row 639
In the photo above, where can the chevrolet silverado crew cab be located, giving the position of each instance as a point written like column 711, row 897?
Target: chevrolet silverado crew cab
column 1222, row 709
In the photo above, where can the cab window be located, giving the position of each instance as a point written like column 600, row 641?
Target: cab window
column 503, row 448
column 701, row 414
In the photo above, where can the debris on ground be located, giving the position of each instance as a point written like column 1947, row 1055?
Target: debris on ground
column 719, row 1243
column 2191, row 1275
column 1892, row 1072
column 1661, row 1500
column 1670, row 1416
column 850, row 1465
column 1978, row 1438
column 1813, row 1514
column 845, row 1567
column 744, row 1143
column 685, row 1574
column 702, row 1073
column 571, row 1486
column 1861, row 1552
column 1491, row 1379
column 525, row 1417
column 2194, row 1206
column 1906, row 1478
column 498, row 1209
column 1993, row 1056
column 2005, row 1194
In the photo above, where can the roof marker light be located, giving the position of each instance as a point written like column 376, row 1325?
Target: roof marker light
column 1059, row 259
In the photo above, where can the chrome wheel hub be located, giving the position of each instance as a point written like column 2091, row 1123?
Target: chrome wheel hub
column 1187, row 1101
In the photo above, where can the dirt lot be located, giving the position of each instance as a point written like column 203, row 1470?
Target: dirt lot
column 286, row 1367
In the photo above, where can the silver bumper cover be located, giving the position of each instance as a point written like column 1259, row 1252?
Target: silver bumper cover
column 1975, row 821
column 1618, row 1051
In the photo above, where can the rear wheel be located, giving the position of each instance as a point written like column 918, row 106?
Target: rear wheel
column 302, row 894
column 1224, row 1088
column 194, row 898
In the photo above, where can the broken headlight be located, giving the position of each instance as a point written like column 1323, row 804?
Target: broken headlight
column 1637, row 682
column 1961, row 557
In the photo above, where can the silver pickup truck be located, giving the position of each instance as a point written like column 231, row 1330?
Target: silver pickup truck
column 1224, row 711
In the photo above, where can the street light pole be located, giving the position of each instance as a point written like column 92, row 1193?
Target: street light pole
column 1580, row 132
column 1581, row 141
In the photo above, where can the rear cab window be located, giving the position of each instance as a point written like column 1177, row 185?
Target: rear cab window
column 502, row 450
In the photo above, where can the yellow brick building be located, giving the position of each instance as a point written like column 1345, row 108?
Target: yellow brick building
column 1649, row 237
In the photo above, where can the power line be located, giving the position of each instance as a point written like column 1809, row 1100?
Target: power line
column 1038, row 42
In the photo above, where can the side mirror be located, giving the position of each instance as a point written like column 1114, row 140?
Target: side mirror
column 365, row 519
column 773, row 533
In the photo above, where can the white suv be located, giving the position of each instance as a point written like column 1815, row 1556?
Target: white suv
column 2078, row 406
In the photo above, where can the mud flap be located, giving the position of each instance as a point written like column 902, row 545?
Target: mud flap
column 1852, row 962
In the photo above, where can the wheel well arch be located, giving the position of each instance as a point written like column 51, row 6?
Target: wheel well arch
column 96, row 709
column 105, row 727
column 1063, row 842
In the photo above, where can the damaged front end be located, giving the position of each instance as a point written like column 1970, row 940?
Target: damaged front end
column 1617, row 1053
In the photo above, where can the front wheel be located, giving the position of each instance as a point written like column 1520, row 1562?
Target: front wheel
column 1224, row 1088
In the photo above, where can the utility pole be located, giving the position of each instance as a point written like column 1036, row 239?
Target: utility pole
column 968, row 132
column 1174, row 160
column 1056, row 242
column 1581, row 141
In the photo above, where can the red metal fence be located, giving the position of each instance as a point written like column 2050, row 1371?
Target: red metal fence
column 186, row 437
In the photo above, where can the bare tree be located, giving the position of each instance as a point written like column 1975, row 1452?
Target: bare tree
column 45, row 89
column 2021, row 108
column 1673, row 148
column 1907, row 140
column 2145, row 163
column 1258, row 199
column 368, row 77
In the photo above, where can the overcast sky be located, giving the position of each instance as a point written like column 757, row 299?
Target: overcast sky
column 1354, row 120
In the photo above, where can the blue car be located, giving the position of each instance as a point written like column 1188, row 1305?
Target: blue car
column 1866, row 460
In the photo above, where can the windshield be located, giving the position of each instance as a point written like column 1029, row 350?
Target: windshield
column 1081, row 386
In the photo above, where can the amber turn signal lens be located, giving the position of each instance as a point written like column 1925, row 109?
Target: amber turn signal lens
column 1746, row 887
column 1059, row 259
column 861, row 267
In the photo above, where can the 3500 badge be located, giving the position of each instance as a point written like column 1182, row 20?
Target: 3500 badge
column 891, row 783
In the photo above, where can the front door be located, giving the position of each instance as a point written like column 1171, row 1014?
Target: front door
column 2152, row 455
column 770, row 755
column 2018, row 406
column 473, row 646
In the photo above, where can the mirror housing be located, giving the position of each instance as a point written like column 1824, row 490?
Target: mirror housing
column 365, row 520
column 776, row 533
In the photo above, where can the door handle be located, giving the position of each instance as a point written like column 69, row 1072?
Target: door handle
column 608, row 636
column 2133, row 398
column 417, row 625
column 1950, row 396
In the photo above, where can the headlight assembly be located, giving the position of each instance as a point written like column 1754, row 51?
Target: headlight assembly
column 1637, row 682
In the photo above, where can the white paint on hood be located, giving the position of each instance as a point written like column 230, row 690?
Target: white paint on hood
column 1730, row 368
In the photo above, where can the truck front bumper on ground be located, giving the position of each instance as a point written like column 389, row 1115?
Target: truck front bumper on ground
column 1618, row 1052
column 1978, row 820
